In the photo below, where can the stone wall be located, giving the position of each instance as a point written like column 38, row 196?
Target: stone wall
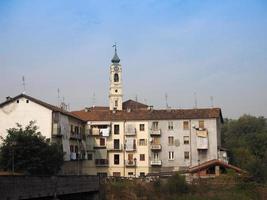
column 27, row 187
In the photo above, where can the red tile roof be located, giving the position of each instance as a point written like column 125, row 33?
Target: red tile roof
column 214, row 162
column 141, row 114
column 49, row 106
column 130, row 104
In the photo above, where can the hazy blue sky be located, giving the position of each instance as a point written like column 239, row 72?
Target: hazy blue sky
column 213, row 48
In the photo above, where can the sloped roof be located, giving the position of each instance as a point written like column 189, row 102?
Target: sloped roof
column 131, row 104
column 49, row 106
column 145, row 114
column 213, row 162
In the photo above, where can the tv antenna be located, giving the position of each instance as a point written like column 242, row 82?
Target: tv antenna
column 195, row 99
column 94, row 100
column 24, row 85
column 166, row 100
column 211, row 101
column 58, row 97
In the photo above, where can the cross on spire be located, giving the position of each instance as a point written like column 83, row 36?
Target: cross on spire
column 115, row 58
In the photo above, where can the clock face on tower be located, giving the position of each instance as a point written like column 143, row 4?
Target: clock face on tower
column 116, row 68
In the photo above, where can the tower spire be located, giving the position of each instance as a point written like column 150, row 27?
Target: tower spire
column 115, row 58
column 115, row 87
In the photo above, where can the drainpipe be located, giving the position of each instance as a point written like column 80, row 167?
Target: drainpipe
column 190, row 123
column 124, row 148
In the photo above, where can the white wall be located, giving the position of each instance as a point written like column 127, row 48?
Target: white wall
column 23, row 113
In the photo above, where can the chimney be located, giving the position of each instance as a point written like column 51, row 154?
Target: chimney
column 8, row 98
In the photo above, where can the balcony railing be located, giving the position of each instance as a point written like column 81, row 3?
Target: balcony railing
column 156, row 162
column 100, row 146
column 155, row 147
column 75, row 136
column 112, row 147
column 130, row 132
column 130, row 163
column 95, row 131
column 101, row 162
column 131, row 148
column 155, row 132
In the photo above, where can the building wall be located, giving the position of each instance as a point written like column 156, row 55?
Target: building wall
column 22, row 113
column 179, row 148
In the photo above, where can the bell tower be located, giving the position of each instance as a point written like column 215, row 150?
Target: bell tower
column 115, row 85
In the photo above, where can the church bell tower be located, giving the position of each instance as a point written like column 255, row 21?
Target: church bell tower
column 115, row 85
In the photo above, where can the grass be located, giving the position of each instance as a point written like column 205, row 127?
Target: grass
column 175, row 188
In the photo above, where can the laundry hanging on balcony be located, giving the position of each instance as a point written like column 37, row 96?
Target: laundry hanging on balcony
column 105, row 132
column 202, row 139
column 130, row 144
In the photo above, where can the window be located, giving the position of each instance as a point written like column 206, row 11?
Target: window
column 116, row 91
column 142, row 142
column 142, row 174
column 116, row 144
column 170, row 141
column 186, row 155
column 76, row 129
column 102, row 142
column 71, row 148
column 130, row 173
column 170, row 125
column 186, row 139
column 90, row 156
column 71, row 129
column 142, row 157
column 142, row 127
column 116, row 103
column 117, row 174
column 186, row 125
column 27, row 101
column 171, row 155
column 155, row 125
column 76, row 149
column 116, row 129
column 17, row 101
column 116, row 159
column 116, row 77
column 201, row 124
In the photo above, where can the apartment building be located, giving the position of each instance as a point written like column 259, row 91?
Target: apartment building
column 56, row 124
column 126, row 138
column 132, row 139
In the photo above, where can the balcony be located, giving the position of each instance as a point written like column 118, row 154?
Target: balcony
column 130, row 163
column 130, row 147
column 155, row 147
column 101, row 162
column 95, row 131
column 56, row 130
column 155, row 132
column 100, row 146
column 112, row 147
column 155, row 162
column 130, row 132
column 75, row 136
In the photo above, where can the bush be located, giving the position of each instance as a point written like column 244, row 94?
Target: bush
column 176, row 184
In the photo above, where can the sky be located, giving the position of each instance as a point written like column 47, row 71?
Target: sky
column 180, row 48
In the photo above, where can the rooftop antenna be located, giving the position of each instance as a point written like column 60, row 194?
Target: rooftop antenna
column 136, row 98
column 58, row 97
column 195, row 99
column 211, row 101
column 145, row 100
column 166, row 100
column 24, row 85
column 94, row 100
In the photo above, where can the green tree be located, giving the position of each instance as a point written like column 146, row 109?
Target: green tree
column 28, row 152
column 246, row 140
